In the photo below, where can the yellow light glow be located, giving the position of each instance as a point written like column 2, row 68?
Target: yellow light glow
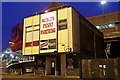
column 46, row 11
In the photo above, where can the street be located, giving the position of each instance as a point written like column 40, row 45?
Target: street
column 32, row 77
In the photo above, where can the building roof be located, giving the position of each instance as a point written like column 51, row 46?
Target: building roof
column 55, row 6
column 105, row 18
column 112, row 13
column 103, row 21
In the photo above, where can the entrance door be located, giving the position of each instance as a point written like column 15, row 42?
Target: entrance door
column 52, row 67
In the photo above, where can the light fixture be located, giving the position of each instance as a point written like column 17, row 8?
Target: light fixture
column 46, row 11
column 110, row 25
column 63, row 44
column 103, row 2
column 98, row 27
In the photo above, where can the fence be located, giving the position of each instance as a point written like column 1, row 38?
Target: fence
column 101, row 68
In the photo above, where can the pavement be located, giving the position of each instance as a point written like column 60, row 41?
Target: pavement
column 37, row 77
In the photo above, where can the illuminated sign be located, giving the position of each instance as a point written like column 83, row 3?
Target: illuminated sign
column 48, row 32
column 48, row 23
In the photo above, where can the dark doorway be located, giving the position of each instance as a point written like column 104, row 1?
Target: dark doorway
column 52, row 67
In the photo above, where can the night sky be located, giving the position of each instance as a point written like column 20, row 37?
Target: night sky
column 14, row 13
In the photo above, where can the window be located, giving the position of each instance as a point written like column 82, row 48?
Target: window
column 29, row 37
column 36, row 35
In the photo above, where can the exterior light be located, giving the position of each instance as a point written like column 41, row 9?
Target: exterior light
column 69, row 49
column 98, row 27
column 63, row 44
column 46, row 11
column 100, row 66
column 110, row 25
column 103, row 2
column 104, row 66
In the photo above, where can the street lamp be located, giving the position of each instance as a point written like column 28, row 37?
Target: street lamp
column 103, row 2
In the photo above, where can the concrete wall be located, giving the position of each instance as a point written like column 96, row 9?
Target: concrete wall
column 76, row 31
column 63, row 64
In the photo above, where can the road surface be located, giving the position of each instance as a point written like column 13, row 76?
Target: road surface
column 34, row 77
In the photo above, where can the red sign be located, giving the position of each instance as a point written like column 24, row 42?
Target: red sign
column 48, row 23
column 48, row 19
column 47, row 31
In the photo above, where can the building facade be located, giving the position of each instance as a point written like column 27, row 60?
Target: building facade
column 109, row 25
column 58, row 38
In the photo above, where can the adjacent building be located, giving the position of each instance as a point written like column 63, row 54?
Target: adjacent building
column 15, row 42
column 58, row 38
column 109, row 25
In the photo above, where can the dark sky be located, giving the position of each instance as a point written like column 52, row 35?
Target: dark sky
column 14, row 13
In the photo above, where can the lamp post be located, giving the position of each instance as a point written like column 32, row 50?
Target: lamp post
column 103, row 2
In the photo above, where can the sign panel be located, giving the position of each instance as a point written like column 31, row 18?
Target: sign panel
column 48, row 44
column 48, row 32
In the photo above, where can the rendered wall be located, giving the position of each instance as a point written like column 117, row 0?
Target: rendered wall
column 31, row 35
column 65, row 35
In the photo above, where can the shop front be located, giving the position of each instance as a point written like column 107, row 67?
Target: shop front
column 57, row 64
column 47, row 64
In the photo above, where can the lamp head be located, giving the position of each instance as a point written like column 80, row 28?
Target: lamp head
column 46, row 11
column 103, row 2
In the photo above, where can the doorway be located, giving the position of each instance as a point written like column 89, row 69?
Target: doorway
column 50, row 66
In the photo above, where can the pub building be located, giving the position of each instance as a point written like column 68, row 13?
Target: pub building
column 59, row 38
